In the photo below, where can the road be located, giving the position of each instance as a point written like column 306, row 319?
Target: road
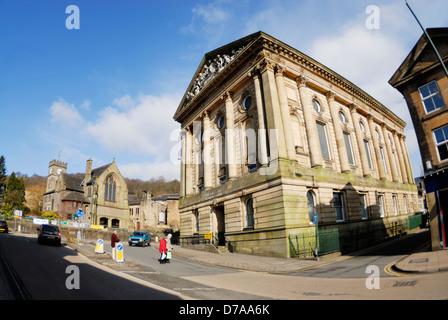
column 43, row 271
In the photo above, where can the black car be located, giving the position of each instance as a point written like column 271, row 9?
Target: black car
column 3, row 226
column 49, row 233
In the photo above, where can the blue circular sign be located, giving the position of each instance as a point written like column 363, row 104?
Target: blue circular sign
column 79, row 213
column 100, row 241
column 120, row 247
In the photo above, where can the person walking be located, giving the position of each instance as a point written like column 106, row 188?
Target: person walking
column 169, row 247
column 162, row 250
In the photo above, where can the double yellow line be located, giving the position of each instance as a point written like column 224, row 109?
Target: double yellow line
column 389, row 271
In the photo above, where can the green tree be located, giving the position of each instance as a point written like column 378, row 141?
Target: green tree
column 15, row 193
column 50, row 215
column 2, row 182
column 2, row 170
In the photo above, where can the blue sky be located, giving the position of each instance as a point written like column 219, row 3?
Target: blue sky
column 64, row 93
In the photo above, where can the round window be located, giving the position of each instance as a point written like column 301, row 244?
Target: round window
column 247, row 103
column 221, row 122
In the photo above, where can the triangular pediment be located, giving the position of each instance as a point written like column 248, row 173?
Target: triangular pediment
column 422, row 56
column 213, row 64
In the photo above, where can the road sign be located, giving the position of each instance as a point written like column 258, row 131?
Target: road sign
column 208, row 235
column 17, row 213
column 79, row 213
column 99, row 248
column 316, row 218
column 119, row 256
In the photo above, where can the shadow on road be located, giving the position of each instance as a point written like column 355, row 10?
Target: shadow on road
column 47, row 273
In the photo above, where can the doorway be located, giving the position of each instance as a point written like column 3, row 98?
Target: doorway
column 219, row 226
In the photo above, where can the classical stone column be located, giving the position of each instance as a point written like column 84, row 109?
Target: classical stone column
column 360, row 141
column 261, row 133
column 183, row 165
column 273, row 113
column 407, row 163
column 376, row 145
column 286, row 117
column 310, row 123
column 337, row 126
column 230, row 137
column 390, row 153
column 208, row 182
column 188, row 161
column 404, row 175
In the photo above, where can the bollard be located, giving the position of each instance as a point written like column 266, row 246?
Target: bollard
column 119, row 255
column 99, row 247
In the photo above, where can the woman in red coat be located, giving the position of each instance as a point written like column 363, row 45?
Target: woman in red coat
column 162, row 250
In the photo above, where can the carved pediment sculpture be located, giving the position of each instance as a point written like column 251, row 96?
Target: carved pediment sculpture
column 210, row 70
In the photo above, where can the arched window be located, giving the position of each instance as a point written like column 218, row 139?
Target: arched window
column 110, row 189
column 311, row 204
column 250, row 146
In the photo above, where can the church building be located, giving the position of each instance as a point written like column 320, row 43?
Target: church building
column 101, row 193
column 277, row 150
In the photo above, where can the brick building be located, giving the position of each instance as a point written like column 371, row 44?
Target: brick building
column 424, row 85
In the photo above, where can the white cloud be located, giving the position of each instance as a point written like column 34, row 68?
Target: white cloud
column 133, row 127
column 211, row 13
column 85, row 105
column 142, row 129
column 147, row 170
column 65, row 113
column 125, row 102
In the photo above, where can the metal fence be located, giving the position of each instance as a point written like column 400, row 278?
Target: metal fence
column 350, row 238
column 304, row 245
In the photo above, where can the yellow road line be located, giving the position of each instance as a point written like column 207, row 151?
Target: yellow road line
column 389, row 271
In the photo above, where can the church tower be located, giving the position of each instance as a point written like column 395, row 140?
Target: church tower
column 55, row 169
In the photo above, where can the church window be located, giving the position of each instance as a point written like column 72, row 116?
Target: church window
column 110, row 189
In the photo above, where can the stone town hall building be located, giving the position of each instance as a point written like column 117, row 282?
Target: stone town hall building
column 271, row 137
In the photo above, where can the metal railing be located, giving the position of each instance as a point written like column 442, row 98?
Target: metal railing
column 304, row 245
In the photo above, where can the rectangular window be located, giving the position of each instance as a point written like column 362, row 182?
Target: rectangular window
column 339, row 206
column 369, row 158
column 431, row 97
column 381, row 205
column 323, row 141
column 405, row 201
column 394, row 200
column 348, row 147
column 441, row 137
column 384, row 159
column 363, row 203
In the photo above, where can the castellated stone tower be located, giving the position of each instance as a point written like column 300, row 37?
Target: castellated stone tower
column 55, row 169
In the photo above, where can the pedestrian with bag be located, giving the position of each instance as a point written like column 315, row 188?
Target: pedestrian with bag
column 169, row 247
column 162, row 250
